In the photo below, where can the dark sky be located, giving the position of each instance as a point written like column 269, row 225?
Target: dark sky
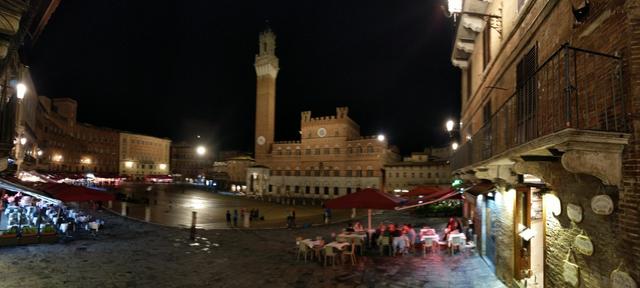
column 181, row 68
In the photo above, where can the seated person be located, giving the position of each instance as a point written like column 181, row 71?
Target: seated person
column 349, row 228
column 358, row 227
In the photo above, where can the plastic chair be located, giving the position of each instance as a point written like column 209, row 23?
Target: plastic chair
column 428, row 243
column 359, row 244
column 303, row 249
column 384, row 241
column 351, row 253
column 456, row 242
column 328, row 252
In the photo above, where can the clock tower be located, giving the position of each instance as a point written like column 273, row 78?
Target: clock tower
column 266, row 65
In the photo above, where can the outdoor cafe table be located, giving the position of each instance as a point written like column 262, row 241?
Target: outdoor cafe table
column 427, row 231
column 311, row 243
column 338, row 245
column 353, row 235
column 453, row 235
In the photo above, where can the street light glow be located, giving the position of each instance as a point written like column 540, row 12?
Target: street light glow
column 57, row 158
column 381, row 137
column 23, row 140
column 449, row 125
column 454, row 146
column 201, row 150
column 39, row 152
column 21, row 90
column 455, row 6
column 163, row 166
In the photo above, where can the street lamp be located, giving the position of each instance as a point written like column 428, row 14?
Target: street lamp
column 201, row 150
column 449, row 125
column 21, row 90
column 454, row 146
column 381, row 137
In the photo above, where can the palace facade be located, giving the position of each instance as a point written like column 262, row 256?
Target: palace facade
column 330, row 159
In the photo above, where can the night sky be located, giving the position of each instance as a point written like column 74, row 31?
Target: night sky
column 180, row 68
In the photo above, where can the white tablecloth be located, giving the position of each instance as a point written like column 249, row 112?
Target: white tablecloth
column 352, row 235
column 337, row 245
column 311, row 243
column 427, row 231
column 435, row 238
column 453, row 235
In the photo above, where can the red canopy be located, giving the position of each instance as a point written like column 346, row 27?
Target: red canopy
column 365, row 199
column 73, row 193
column 428, row 191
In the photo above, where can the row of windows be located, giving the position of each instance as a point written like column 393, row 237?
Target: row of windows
column 413, row 175
column 325, row 151
column 142, row 142
column 335, row 173
column 307, row 189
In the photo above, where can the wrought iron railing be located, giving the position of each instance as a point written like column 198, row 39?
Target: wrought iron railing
column 574, row 88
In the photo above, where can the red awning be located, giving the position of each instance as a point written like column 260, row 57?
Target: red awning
column 73, row 193
column 365, row 199
column 428, row 191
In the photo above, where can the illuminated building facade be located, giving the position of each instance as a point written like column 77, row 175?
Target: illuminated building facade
column 142, row 155
column 330, row 159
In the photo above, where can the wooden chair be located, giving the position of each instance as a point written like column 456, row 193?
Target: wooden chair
column 303, row 249
column 385, row 241
column 328, row 252
column 351, row 252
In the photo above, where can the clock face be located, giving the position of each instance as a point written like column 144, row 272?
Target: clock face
column 260, row 140
column 322, row 132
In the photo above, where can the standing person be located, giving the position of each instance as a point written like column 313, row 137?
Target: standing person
column 228, row 215
column 293, row 217
column 235, row 217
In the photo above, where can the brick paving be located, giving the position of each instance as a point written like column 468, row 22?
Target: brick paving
column 128, row 253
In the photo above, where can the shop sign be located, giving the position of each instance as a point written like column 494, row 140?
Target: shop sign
column 574, row 212
column 602, row 205
column 621, row 279
column 583, row 244
column 571, row 273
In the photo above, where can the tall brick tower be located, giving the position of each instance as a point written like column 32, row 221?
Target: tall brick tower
column 266, row 71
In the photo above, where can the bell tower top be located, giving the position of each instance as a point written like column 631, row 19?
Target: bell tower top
column 266, row 60
column 267, row 43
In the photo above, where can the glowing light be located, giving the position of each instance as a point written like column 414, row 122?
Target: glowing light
column 455, row 6
column 449, row 125
column 39, row 153
column 23, row 140
column 381, row 138
column 85, row 160
column 57, row 158
column 163, row 166
column 91, row 175
column 21, row 90
column 201, row 150
column 468, row 137
column 490, row 194
column 196, row 203
column 454, row 146
column 128, row 164
column 552, row 204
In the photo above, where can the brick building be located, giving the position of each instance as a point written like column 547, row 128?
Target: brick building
column 550, row 102
column 330, row 159
column 70, row 146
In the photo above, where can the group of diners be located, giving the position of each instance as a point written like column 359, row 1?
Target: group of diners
column 27, row 213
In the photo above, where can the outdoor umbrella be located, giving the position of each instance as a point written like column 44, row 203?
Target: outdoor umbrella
column 73, row 193
column 428, row 191
column 365, row 199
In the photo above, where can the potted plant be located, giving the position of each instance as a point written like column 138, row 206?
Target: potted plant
column 48, row 234
column 28, row 235
column 9, row 237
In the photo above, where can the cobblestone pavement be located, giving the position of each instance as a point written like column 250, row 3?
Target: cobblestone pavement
column 135, row 254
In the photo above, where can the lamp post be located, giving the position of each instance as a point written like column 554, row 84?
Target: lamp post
column 21, row 141
column 451, row 128
column 454, row 8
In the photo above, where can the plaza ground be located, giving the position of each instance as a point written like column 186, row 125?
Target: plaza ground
column 129, row 253
column 172, row 204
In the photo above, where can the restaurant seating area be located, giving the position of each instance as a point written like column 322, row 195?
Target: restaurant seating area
column 388, row 240
column 27, row 219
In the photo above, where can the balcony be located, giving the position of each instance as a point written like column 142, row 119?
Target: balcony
column 574, row 98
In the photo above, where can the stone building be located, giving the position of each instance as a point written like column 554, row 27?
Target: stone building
column 142, row 155
column 549, row 121
column 330, row 159
column 22, row 24
column 66, row 145
column 233, row 172
column 419, row 169
column 187, row 163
